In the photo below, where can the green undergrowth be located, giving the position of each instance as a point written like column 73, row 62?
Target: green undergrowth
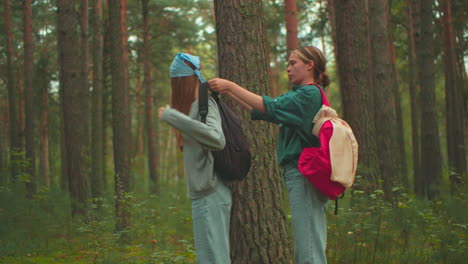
column 367, row 229
column 42, row 231
column 407, row 230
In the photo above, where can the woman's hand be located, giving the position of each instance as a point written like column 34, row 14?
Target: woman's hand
column 221, row 86
column 161, row 110
column 243, row 96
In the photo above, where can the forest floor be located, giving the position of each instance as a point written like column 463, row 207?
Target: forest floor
column 41, row 230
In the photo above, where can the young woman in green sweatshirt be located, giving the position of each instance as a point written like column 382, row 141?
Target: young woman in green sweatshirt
column 294, row 112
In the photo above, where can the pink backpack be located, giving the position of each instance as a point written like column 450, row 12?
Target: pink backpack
column 332, row 166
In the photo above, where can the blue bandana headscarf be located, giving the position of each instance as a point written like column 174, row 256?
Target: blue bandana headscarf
column 179, row 68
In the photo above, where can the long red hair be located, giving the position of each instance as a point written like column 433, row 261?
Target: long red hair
column 184, row 93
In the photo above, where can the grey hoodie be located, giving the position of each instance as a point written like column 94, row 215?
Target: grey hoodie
column 199, row 139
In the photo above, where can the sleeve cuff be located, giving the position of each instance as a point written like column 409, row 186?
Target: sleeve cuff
column 269, row 104
column 167, row 113
column 256, row 115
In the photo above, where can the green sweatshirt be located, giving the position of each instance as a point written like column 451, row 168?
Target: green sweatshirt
column 199, row 139
column 293, row 112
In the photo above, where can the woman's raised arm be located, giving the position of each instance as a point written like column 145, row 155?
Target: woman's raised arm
column 243, row 96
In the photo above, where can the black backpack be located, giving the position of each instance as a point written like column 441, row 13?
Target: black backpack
column 233, row 162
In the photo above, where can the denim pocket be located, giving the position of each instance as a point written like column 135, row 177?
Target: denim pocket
column 222, row 195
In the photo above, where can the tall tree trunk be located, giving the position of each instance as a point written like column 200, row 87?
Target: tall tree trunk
column 290, row 14
column 21, row 115
column 97, row 146
column 431, row 166
column 43, row 79
column 73, row 85
column 139, row 146
column 16, row 146
column 147, row 84
column 399, row 130
column 120, row 111
column 353, row 61
column 413, row 7
column 64, row 180
column 332, row 23
column 106, row 93
column 3, row 136
column 30, row 116
column 453, row 98
column 242, row 54
column 275, row 72
column 460, row 12
column 383, row 96
column 270, row 72
column 459, row 17
column 84, row 26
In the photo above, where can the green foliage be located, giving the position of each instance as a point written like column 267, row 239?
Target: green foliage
column 367, row 229
column 406, row 230
column 42, row 231
column 19, row 163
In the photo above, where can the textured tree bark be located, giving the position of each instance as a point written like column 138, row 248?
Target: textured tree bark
column 29, row 95
column 63, row 152
column 431, row 158
column 399, row 130
column 290, row 14
column 20, row 88
column 385, row 124
column 72, row 85
column 84, row 39
column 275, row 73
column 106, row 90
column 16, row 145
column 120, row 111
column 332, row 23
column 353, row 59
column 413, row 7
column 43, row 77
column 147, row 83
column 459, row 18
column 139, row 146
column 258, row 225
column 453, row 98
column 97, row 128
column 3, row 137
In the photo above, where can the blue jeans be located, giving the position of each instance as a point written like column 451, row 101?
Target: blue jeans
column 308, row 207
column 211, row 216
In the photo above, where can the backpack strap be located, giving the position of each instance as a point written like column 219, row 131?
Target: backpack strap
column 203, row 101
column 324, row 97
column 324, row 102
